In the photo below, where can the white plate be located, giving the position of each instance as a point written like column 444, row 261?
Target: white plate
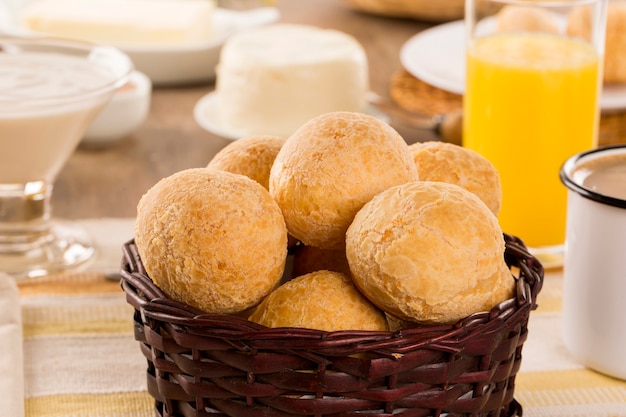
column 206, row 115
column 186, row 64
column 437, row 57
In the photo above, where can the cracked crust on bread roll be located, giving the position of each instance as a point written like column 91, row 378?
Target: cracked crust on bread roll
column 428, row 252
column 211, row 239
column 504, row 291
column 252, row 156
column 454, row 164
column 330, row 167
column 321, row 300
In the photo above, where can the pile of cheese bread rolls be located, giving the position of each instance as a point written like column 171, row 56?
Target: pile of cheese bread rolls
column 384, row 234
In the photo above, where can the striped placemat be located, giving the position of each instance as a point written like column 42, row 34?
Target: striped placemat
column 81, row 358
column 551, row 383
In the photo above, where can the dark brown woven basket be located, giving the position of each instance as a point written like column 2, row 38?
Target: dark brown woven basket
column 212, row 365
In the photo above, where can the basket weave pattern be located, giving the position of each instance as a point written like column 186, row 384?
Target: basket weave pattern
column 212, row 365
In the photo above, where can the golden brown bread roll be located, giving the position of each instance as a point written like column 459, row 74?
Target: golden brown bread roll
column 505, row 290
column 454, row 164
column 330, row 167
column 251, row 156
column 578, row 24
column 211, row 239
column 524, row 18
column 428, row 252
column 322, row 300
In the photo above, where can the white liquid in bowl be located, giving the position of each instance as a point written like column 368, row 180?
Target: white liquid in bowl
column 46, row 102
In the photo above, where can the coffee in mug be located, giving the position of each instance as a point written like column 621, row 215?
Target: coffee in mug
column 605, row 175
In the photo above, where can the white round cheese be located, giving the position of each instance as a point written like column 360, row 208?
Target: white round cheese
column 273, row 79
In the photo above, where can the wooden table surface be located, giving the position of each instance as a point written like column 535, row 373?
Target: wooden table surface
column 109, row 182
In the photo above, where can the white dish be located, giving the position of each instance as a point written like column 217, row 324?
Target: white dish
column 122, row 115
column 206, row 115
column 437, row 57
column 192, row 64
column 185, row 64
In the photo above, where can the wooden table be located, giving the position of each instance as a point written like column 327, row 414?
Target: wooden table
column 109, row 182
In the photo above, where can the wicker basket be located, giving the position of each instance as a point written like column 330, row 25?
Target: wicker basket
column 428, row 10
column 212, row 365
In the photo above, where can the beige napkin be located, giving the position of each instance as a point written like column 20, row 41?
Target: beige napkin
column 11, row 353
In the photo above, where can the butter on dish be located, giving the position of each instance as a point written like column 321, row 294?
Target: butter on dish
column 123, row 22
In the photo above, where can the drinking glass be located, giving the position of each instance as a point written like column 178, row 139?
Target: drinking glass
column 50, row 90
column 533, row 83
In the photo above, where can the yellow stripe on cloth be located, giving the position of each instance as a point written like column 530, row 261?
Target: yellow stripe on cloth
column 68, row 315
column 129, row 404
column 70, row 283
column 571, row 393
column 583, row 378
column 74, row 303
column 77, row 328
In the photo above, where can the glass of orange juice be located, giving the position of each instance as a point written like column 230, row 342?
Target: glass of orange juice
column 533, row 84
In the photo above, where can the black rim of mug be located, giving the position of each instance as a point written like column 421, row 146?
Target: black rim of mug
column 568, row 167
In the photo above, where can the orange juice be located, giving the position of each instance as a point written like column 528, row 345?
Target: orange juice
column 531, row 101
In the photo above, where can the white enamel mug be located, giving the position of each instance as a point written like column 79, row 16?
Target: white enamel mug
column 594, row 284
